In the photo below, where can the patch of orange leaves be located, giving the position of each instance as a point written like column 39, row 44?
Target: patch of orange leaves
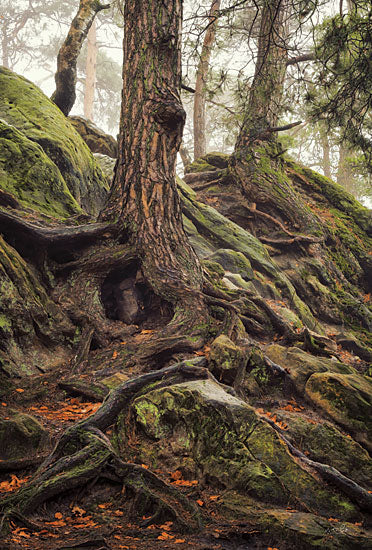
column 73, row 410
column 13, row 484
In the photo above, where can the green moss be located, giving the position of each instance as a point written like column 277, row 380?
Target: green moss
column 347, row 399
column 21, row 436
column 27, row 173
column 224, row 439
column 47, row 132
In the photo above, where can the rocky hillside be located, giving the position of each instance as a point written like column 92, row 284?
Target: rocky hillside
column 262, row 438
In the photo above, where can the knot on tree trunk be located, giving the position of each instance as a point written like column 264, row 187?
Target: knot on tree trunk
column 170, row 114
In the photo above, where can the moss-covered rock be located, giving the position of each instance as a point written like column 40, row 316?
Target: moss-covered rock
column 323, row 442
column 24, row 107
column 346, row 398
column 97, row 140
column 33, row 330
column 233, row 261
column 291, row 529
column 302, row 365
column 115, row 380
column 21, row 435
column 227, row 360
column 204, row 430
column 27, row 173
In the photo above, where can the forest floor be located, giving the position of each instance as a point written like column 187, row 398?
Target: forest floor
column 98, row 517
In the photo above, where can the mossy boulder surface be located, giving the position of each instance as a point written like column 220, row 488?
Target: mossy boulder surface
column 302, row 365
column 203, row 430
column 25, row 108
column 325, row 443
column 293, row 529
column 32, row 328
column 97, row 140
column 21, row 435
column 226, row 360
column 346, row 398
column 233, row 261
column 28, row 173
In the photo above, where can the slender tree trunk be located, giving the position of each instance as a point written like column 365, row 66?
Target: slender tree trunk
column 326, row 155
column 144, row 198
column 90, row 72
column 257, row 163
column 185, row 156
column 200, row 147
column 65, row 93
column 4, row 48
column 265, row 95
column 345, row 176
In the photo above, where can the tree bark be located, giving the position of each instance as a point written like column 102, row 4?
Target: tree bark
column 200, row 148
column 185, row 156
column 144, row 198
column 265, row 95
column 326, row 155
column 345, row 176
column 90, row 72
column 257, row 163
column 65, row 93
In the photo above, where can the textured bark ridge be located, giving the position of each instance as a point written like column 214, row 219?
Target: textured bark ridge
column 65, row 93
column 144, row 199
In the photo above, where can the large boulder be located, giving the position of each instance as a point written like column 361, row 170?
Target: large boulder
column 96, row 139
column 347, row 399
column 207, row 433
column 42, row 155
column 21, row 436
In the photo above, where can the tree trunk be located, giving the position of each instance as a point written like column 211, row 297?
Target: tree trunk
column 345, row 176
column 90, row 72
column 256, row 163
column 65, row 93
column 4, row 48
column 185, row 156
column 326, row 155
column 200, row 148
column 265, row 95
column 144, row 198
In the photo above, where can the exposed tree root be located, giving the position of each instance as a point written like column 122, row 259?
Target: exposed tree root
column 21, row 463
column 13, row 225
column 357, row 494
column 84, row 453
column 293, row 236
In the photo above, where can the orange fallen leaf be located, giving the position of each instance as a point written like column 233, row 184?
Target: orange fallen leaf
column 200, row 502
column 146, row 331
column 176, row 475
column 114, row 355
column 4, row 404
column 165, row 536
column 167, row 526
column 214, row 497
column 179, row 541
column 58, row 515
column 105, row 505
column 78, row 511
column 20, row 390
